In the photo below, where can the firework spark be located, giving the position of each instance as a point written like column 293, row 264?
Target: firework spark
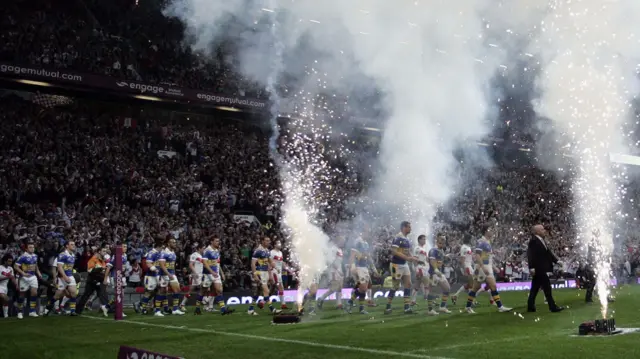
column 585, row 90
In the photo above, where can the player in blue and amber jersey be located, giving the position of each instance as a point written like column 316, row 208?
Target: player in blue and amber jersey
column 359, row 263
column 67, row 285
column 27, row 268
column 261, row 265
column 437, row 278
column 151, row 279
column 483, row 272
column 213, row 276
column 400, row 272
column 169, row 280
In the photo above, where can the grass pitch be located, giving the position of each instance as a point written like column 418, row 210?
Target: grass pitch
column 332, row 334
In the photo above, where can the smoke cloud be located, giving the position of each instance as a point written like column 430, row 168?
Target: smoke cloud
column 431, row 62
column 587, row 51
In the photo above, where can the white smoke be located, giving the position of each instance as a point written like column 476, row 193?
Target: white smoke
column 432, row 60
column 586, row 83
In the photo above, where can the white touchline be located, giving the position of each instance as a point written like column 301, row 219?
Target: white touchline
column 462, row 345
column 470, row 344
column 272, row 339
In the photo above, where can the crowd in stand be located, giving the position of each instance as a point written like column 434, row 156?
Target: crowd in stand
column 93, row 174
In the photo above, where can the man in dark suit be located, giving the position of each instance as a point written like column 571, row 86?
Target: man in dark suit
column 541, row 261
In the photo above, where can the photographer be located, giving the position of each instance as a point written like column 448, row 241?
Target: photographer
column 96, row 282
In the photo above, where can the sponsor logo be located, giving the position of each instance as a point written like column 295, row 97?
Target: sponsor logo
column 224, row 100
column 143, row 88
column 29, row 71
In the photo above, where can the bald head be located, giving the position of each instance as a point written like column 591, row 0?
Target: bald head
column 538, row 230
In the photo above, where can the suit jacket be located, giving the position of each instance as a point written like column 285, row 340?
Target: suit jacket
column 540, row 257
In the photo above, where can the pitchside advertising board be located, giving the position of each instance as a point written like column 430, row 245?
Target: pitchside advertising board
column 292, row 295
column 126, row 352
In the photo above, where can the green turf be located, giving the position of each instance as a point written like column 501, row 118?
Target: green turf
column 488, row 334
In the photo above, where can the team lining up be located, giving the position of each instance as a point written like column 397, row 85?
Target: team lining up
column 162, row 288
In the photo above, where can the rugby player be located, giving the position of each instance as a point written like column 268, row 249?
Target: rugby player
column 168, row 279
column 151, row 280
column 400, row 273
column 27, row 267
column 437, row 278
column 6, row 275
column 276, row 273
column 66, row 281
column 359, row 262
column 484, row 272
column 336, row 275
column 421, row 269
column 261, row 264
column 214, row 276
column 195, row 278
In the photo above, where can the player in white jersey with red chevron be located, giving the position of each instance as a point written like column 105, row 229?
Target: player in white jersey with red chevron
column 466, row 267
column 6, row 275
column 276, row 273
column 421, row 269
column 336, row 275
column 196, row 269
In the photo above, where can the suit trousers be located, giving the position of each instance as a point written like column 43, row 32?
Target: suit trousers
column 540, row 281
column 92, row 286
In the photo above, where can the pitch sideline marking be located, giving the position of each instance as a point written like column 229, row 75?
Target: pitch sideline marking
column 281, row 340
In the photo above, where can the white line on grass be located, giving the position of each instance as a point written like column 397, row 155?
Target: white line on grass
column 281, row 340
column 470, row 344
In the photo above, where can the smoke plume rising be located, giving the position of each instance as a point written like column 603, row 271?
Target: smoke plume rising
column 431, row 61
column 586, row 83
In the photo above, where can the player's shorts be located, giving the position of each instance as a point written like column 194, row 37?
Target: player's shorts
column 467, row 275
column 150, row 282
column 4, row 287
column 362, row 275
column 399, row 270
column 165, row 280
column 196, row 280
column 263, row 277
column 209, row 279
column 488, row 270
column 26, row 283
column 336, row 280
column 276, row 277
column 422, row 275
column 62, row 285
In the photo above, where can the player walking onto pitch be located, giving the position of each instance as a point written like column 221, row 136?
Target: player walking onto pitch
column 421, row 269
column 484, row 272
column 27, row 267
column 151, row 280
column 196, row 268
column 336, row 275
column 466, row 267
column 261, row 264
column 400, row 273
column 214, row 276
column 276, row 273
column 6, row 275
column 66, row 281
column 168, row 279
column 359, row 263
column 437, row 278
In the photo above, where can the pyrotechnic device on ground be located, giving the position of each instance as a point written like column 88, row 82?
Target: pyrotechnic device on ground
column 599, row 327
column 289, row 318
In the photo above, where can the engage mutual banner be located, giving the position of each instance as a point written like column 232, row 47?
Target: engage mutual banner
column 102, row 82
column 126, row 352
